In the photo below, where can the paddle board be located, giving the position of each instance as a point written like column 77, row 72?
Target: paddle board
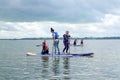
column 61, row 54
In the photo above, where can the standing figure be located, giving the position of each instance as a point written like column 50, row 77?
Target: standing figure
column 66, row 41
column 55, row 38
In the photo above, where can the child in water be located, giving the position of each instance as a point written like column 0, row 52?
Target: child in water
column 75, row 42
column 45, row 49
column 81, row 42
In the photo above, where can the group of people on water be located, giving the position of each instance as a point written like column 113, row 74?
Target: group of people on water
column 75, row 42
column 55, row 39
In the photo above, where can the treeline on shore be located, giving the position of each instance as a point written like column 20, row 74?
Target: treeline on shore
column 91, row 38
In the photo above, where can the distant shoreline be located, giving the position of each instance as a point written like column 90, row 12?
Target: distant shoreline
column 85, row 38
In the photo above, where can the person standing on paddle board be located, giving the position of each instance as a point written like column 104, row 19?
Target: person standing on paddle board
column 45, row 49
column 55, row 38
column 66, row 41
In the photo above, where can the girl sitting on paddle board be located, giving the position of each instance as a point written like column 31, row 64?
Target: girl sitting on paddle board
column 45, row 49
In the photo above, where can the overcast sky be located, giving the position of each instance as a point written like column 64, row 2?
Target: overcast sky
column 83, row 18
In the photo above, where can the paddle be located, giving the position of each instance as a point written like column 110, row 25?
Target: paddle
column 69, row 47
column 69, row 50
column 52, row 49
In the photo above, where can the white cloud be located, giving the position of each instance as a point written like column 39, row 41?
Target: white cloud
column 110, row 19
column 42, row 29
column 33, row 18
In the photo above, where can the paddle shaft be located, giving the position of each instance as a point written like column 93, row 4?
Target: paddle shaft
column 69, row 46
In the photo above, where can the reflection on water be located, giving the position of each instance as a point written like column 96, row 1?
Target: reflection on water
column 14, row 65
column 44, row 67
column 50, row 68
column 66, row 66
column 55, row 68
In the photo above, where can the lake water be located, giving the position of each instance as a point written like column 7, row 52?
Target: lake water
column 104, row 65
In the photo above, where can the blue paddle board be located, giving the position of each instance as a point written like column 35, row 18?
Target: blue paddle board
column 61, row 54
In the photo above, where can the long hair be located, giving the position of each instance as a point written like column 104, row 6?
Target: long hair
column 52, row 30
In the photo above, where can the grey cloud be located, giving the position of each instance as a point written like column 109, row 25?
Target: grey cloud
column 56, row 10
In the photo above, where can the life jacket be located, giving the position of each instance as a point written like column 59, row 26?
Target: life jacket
column 46, row 47
column 56, row 35
column 66, row 37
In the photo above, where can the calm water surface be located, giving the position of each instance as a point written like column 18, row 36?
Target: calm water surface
column 104, row 65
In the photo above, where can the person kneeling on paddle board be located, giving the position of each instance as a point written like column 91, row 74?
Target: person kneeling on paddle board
column 45, row 49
